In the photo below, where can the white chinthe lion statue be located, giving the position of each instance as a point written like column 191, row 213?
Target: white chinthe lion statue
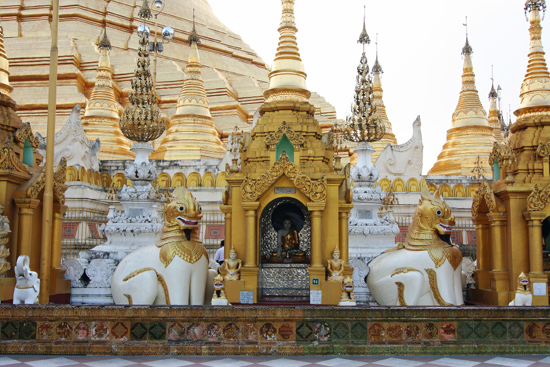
column 173, row 271
column 427, row 269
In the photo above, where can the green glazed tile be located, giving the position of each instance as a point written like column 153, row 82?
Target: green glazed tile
column 157, row 331
column 27, row 330
column 9, row 330
column 465, row 330
column 304, row 332
column 138, row 331
column 359, row 333
column 498, row 330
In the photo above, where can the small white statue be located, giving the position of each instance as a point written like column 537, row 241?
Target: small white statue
column 523, row 294
column 27, row 286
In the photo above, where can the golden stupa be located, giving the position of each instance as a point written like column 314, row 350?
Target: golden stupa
column 192, row 134
column 286, row 173
column 101, row 116
column 510, row 213
column 470, row 136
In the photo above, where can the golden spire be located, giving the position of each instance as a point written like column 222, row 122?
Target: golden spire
column 287, row 79
column 5, row 87
column 142, row 120
column 469, row 110
column 192, row 134
column 377, row 92
column 101, row 115
column 536, row 85
column 494, row 115
column 470, row 135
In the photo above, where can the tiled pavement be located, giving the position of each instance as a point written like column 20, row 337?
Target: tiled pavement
column 426, row 361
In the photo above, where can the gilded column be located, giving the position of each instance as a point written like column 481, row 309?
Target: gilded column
column 251, row 258
column 536, row 273
column 499, row 273
column 316, row 213
column 59, row 211
column 344, row 233
column 483, row 252
column 26, row 212
column 226, row 209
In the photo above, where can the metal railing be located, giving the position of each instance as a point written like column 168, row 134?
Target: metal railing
column 212, row 231
column 80, row 231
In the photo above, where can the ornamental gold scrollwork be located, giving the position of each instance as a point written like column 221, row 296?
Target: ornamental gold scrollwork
column 504, row 154
column 316, row 190
column 538, row 199
column 284, row 129
column 543, row 150
column 484, row 192
column 25, row 132
column 59, row 186
column 9, row 160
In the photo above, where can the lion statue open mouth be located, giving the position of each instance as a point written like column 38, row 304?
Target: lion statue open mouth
column 174, row 270
column 426, row 270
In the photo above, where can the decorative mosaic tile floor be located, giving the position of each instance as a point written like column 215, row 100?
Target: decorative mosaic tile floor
column 400, row 361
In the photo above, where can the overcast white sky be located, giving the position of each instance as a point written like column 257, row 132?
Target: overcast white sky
column 419, row 48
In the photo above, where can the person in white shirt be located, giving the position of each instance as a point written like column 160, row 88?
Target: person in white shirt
column 220, row 253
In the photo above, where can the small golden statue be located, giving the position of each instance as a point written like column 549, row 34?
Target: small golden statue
column 288, row 242
column 4, row 252
column 523, row 293
column 232, row 266
column 335, row 267
column 347, row 298
column 219, row 287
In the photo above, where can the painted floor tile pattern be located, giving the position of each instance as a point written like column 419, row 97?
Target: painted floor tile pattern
column 327, row 361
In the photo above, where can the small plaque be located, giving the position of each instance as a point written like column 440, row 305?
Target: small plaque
column 539, row 289
column 135, row 212
column 315, row 281
column 364, row 214
column 315, row 297
column 247, row 297
column 285, row 190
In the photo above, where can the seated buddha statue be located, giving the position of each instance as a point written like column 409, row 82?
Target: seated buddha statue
column 335, row 267
column 288, row 242
column 232, row 266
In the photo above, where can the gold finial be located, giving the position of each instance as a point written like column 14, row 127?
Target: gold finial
column 467, row 49
column 142, row 120
column 377, row 68
column 104, row 43
column 540, row 5
column 493, row 93
column 193, row 36
column 364, row 37
column 145, row 11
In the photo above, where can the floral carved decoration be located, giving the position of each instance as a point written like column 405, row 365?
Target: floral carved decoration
column 484, row 192
column 39, row 180
column 9, row 160
column 284, row 129
column 504, row 155
column 25, row 132
column 316, row 190
column 538, row 199
column 543, row 150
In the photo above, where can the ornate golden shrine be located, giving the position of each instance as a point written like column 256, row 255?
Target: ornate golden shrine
column 509, row 213
column 287, row 158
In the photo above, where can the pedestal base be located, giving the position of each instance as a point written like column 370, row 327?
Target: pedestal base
column 347, row 303
column 219, row 302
